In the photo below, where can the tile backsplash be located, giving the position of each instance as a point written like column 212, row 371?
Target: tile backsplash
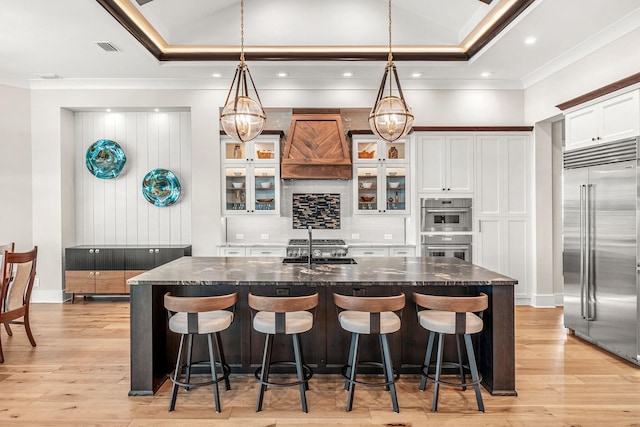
column 319, row 210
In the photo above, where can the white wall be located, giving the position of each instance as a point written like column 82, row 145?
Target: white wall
column 15, row 167
column 113, row 211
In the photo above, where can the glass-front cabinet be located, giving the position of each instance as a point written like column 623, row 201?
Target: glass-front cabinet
column 250, row 180
column 381, row 189
column 381, row 171
column 367, row 148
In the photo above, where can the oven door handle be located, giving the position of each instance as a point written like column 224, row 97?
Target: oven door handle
column 446, row 210
column 447, row 247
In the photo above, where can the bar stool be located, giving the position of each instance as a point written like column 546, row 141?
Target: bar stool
column 370, row 316
column 289, row 316
column 189, row 316
column 451, row 315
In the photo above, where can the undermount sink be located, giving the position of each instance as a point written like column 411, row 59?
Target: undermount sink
column 319, row 261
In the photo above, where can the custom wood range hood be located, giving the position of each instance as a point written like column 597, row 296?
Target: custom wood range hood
column 316, row 146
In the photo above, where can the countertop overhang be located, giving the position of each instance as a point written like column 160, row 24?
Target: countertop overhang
column 410, row 271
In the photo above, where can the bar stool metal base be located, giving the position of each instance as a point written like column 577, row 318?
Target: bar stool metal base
column 176, row 375
column 463, row 370
column 350, row 370
column 303, row 371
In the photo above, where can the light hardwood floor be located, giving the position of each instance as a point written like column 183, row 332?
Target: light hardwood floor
column 78, row 375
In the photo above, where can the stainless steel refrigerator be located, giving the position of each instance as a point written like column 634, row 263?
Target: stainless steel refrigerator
column 600, row 233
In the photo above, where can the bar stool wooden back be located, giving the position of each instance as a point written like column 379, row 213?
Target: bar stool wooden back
column 451, row 315
column 189, row 316
column 370, row 316
column 283, row 315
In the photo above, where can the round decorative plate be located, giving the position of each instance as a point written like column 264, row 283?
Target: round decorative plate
column 105, row 159
column 161, row 187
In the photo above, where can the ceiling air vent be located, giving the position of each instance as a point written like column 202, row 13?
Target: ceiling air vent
column 108, row 46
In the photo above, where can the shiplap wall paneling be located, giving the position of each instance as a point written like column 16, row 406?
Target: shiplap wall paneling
column 113, row 211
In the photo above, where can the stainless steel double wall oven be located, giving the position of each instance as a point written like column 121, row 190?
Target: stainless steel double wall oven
column 446, row 227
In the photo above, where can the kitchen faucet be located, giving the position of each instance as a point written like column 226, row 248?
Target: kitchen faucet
column 309, row 230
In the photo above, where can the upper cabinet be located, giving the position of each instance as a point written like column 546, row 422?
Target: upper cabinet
column 250, row 175
column 381, row 175
column 610, row 120
column 445, row 163
column 368, row 149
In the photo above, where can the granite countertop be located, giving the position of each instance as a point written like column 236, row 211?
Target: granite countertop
column 409, row 271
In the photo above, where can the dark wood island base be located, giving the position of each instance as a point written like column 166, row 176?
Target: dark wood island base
column 326, row 346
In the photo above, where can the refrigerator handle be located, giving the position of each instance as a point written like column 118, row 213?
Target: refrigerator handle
column 589, row 301
column 582, row 245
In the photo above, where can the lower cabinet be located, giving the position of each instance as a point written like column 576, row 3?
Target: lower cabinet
column 105, row 270
column 383, row 251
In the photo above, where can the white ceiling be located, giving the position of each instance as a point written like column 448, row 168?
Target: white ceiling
column 45, row 37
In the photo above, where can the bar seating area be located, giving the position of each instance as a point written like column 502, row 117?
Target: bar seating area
column 292, row 316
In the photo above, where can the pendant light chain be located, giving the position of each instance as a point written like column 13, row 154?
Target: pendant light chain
column 241, row 32
column 390, row 54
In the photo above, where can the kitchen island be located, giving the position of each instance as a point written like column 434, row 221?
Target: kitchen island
column 154, row 348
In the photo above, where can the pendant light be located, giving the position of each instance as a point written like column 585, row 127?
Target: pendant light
column 390, row 117
column 242, row 117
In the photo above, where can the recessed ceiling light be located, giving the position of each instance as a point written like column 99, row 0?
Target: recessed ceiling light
column 108, row 110
column 156, row 110
column 216, row 75
column 530, row 40
column 416, row 75
column 283, row 74
column 486, row 74
column 347, row 74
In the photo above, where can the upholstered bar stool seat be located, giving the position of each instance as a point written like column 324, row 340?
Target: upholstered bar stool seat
column 445, row 322
column 189, row 316
column 451, row 315
column 359, row 322
column 370, row 316
column 283, row 316
column 296, row 322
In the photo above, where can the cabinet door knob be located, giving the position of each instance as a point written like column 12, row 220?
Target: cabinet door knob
column 157, row 251
column 91, row 273
column 150, row 251
column 97, row 273
column 97, row 251
column 90, row 251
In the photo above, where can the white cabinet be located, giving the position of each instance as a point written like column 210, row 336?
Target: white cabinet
column 502, row 206
column 250, row 176
column 268, row 251
column 610, row 120
column 383, row 251
column 381, row 171
column 445, row 163
column 381, row 189
column 232, row 251
column 368, row 252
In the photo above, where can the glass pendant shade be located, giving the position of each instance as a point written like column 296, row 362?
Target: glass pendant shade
column 390, row 117
column 242, row 117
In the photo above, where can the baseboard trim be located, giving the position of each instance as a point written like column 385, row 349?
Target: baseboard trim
column 47, row 296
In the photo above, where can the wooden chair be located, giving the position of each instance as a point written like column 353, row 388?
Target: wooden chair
column 451, row 315
column 289, row 316
column 18, row 275
column 189, row 316
column 371, row 316
column 5, row 248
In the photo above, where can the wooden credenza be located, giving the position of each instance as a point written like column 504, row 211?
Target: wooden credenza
column 92, row 270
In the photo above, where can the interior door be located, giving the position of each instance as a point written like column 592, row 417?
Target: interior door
column 574, row 181
column 613, row 200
